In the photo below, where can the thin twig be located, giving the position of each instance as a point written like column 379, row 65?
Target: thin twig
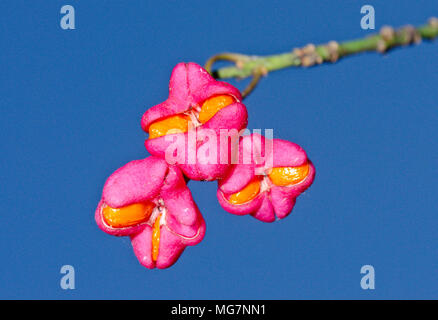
column 311, row 55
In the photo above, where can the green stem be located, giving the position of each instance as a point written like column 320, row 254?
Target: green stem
column 388, row 38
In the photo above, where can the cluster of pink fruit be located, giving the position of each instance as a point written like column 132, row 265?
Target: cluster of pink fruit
column 149, row 200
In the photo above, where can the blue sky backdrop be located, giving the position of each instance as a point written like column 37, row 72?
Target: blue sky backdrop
column 71, row 103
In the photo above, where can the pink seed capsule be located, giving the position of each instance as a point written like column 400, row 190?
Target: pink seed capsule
column 198, row 106
column 149, row 201
column 266, row 186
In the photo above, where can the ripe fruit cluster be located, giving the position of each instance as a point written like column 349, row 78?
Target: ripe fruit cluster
column 149, row 201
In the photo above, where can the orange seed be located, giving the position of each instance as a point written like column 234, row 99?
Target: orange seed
column 156, row 238
column 248, row 193
column 127, row 216
column 284, row 176
column 173, row 124
column 211, row 106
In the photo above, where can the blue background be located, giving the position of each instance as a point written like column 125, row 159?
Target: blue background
column 71, row 102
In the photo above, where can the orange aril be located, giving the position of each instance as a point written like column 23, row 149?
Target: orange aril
column 129, row 215
column 248, row 193
column 211, row 106
column 156, row 238
column 173, row 124
column 284, row 176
